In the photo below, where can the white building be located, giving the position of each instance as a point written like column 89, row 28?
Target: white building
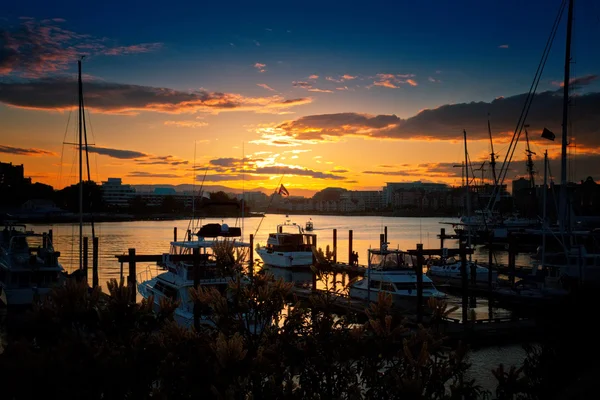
column 115, row 193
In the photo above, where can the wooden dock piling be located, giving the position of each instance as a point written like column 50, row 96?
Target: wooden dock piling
column 335, row 246
column 175, row 234
column 95, row 277
column 131, row 278
column 251, row 257
column 419, row 282
column 196, row 264
column 350, row 252
column 85, row 259
column 465, row 281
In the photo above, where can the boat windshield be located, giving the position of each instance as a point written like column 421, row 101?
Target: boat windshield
column 390, row 260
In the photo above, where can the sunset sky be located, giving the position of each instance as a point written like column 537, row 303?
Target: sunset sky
column 322, row 93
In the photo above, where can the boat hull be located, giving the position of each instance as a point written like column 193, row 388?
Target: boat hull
column 408, row 301
column 286, row 259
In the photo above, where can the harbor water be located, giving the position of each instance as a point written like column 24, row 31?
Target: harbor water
column 154, row 237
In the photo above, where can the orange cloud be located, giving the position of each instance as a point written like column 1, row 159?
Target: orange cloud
column 265, row 86
column 187, row 124
column 260, row 67
column 393, row 81
column 313, row 77
column 18, row 151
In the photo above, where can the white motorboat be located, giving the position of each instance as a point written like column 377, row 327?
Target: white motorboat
column 392, row 272
column 289, row 247
column 177, row 278
column 29, row 266
column 448, row 271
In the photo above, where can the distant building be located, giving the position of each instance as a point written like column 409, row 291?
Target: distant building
column 114, row 193
column 520, row 184
column 370, row 199
column 425, row 187
column 12, row 176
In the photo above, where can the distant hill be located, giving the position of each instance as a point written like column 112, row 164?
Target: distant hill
column 186, row 187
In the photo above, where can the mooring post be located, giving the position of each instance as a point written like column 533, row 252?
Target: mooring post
column 95, row 277
column 350, row 252
column 189, row 235
column 50, row 235
column 175, row 234
column 85, row 259
column 472, row 298
column 442, row 237
column 251, row 262
column 334, row 246
column 381, row 239
column 385, row 233
column 131, row 276
column 419, row 282
column 196, row 264
column 465, row 281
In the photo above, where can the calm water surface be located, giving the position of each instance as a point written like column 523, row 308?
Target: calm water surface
column 153, row 237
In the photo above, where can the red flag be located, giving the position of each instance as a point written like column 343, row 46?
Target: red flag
column 283, row 191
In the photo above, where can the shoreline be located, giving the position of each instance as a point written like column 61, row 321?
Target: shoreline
column 114, row 217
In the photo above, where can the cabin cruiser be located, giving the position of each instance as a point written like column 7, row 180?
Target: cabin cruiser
column 448, row 271
column 179, row 272
column 289, row 247
column 29, row 266
column 392, row 272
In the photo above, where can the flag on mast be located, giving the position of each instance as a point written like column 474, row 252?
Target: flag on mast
column 546, row 134
column 283, row 191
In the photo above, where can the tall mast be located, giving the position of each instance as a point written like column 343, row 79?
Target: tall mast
column 565, row 120
column 492, row 154
column 80, row 164
column 529, row 153
column 468, row 191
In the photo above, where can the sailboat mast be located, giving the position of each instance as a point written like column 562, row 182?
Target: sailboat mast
column 529, row 153
column 492, row 154
column 80, row 165
column 565, row 120
column 468, row 194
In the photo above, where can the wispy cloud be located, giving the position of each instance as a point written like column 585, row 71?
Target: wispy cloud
column 433, row 80
column 265, row 86
column 503, row 46
column 19, row 151
column 144, row 174
column 320, row 90
column 116, row 153
column 187, row 124
column 56, row 94
column 133, row 49
column 308, row 86
column 313, row 77
column 393, row 81
column 257, row 43
column 578, row 81
column 36, row 48
column 162, row 160
column 260, row 67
